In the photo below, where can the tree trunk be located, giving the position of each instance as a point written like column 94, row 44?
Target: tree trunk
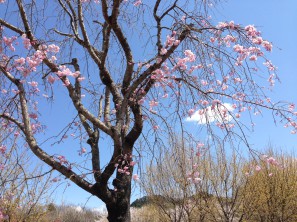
column 119, row 209
column 119, row 212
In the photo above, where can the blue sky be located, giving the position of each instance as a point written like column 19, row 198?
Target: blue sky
column 276, row 20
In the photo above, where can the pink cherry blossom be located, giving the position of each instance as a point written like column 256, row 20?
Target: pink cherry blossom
column 163, row 51
column 200, row 145
column 55, row 180
column 272, row 161
column 238, row 48
column 81, row 79
column 257, row 40
column 204, row 102
column 222, row 25
column 169, row 40
column 33, row 116
column 176, row 42
column 33, row 84
column 253, row 58
column 137, row 3
column 191, row 112
column 291, row 107
column 2, row 149
column 204, row 83
column 237, row 80
column 153, row 103
column 135, row 177
column 271, row 79
column 9, row 41
column 190, row 55
column 267, row 45
column 212, row 39
column 62, row 159
column 20, row 61
column 224, row 87
column 257, row 168
column 53, row 48
column 51, row 79
column 252, row 31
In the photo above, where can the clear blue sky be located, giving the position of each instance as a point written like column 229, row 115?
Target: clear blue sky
column 277, row 22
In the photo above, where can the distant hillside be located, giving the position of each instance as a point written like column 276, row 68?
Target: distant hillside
column 138, row 203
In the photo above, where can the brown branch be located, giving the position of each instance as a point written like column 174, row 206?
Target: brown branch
column 158, row 20
column 110, row 168
column 27, row 130
column 73, row 19
column 156, row 65
column 105, row 43
column 112, row 21
column 38, row 151
column 19, row 124
column 72, row 93
column 64, row 34
column 26, row 120
column 96, row 56
column 136, row 130
column 11, row 27
column 106, row 114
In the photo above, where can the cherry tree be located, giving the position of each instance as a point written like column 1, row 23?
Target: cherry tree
column 129, row 70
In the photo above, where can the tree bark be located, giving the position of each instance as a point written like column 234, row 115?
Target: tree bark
column 119, row 209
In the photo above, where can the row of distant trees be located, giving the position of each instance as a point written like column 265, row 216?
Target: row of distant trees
column 24, row 188
column 220, row 185
column 26, row 191
column 183, row 184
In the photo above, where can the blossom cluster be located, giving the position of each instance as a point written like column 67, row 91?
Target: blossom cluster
column 125, row 164
column 203, row 74
column 62, row 159
column 170, row 41
column 252, row 52
column 24, row 67
column 2, row 149
column 2, row 152
column 193, row 175
column 270, row 161
column 2, row 215
column 27, row 65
